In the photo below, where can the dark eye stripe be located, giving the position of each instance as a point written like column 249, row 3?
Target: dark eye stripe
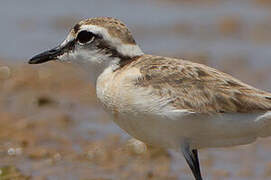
column 85, row 36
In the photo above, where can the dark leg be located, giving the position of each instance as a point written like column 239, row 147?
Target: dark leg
column 196, row 160
column 191, row 157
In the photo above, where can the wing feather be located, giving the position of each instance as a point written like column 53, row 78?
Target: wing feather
column 199, row 88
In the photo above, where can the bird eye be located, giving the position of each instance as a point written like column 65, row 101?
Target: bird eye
column 85, row 37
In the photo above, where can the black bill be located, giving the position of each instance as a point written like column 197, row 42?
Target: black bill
column 52, row 54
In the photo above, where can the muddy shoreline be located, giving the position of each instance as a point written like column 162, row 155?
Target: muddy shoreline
column 52, row 127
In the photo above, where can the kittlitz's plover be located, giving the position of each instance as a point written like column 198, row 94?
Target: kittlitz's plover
column 166, row 102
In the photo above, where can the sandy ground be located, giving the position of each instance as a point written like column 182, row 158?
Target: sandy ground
column 51, row 127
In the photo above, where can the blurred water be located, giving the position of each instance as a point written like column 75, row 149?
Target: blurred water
column 30, row 26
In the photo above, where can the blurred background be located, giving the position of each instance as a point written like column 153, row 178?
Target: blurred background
column 51, row 125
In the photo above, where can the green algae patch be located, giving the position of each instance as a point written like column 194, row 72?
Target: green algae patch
column 12, row 173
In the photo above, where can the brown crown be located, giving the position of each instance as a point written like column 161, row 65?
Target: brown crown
column 115, row 28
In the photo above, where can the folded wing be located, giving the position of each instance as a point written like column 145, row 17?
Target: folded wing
column 199, row 88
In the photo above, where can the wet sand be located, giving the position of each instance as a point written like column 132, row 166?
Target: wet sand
column 52, row 127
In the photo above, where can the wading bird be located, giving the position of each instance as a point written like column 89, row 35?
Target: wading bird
column 162, row 101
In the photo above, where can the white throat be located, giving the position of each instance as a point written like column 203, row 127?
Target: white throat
column 96, row 66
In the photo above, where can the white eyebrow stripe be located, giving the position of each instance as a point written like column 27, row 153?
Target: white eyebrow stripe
column 130, row 50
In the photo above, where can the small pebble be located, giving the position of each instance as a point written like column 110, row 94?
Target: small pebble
column 57, row 157
column 14, row 151
column 137, row 146
column 11, row 152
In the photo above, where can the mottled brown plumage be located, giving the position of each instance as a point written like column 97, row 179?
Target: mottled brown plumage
column 199, row 88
